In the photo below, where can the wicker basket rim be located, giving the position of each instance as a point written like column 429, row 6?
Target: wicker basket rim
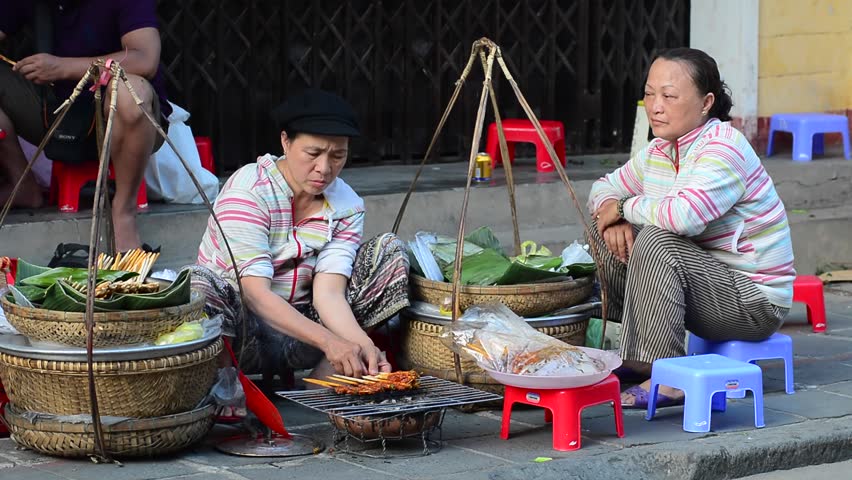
column 522, row 289
column 196, row 302
column 15, row 418
column 127, row 367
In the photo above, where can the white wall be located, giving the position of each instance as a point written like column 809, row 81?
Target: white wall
column 728, row 31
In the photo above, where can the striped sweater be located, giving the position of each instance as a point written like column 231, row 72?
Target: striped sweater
column 255, row 208
column 711, row 187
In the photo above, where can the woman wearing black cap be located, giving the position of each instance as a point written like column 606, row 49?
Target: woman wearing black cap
column 311, row 288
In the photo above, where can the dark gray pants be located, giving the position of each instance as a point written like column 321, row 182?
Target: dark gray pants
column 671, row 285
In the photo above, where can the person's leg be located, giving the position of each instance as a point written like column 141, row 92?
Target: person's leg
column 674, row 285
column 132, row 142
column 378, row 287
column 614, row 272
column 20, row 114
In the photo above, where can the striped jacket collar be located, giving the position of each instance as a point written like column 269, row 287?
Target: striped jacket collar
column 341, row 199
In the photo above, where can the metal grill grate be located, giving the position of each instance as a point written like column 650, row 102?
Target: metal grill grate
column 434, row 393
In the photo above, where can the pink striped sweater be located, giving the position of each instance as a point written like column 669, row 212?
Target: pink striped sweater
column 255, row 208
column 719, row 196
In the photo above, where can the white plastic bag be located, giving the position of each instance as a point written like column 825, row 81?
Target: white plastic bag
column 575, row 253
column 167, row 178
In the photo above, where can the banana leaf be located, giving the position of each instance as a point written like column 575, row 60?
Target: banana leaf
column 33, row 294
column 483, row 268
column 519, row 273
column 47, row 278
column 26, row 270
column 445, row 251
column 178, row 293
column 484, row 237
column 578, row 270
column 63, row 297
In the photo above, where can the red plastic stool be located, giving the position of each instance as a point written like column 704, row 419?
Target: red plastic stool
column 523, row 131
column 205, row 151
column 66, row 181
column 564, row 408
column 807, row 289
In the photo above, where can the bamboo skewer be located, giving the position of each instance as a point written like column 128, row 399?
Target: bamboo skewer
column 321, row 382
column 351, row 380
column 8, row 60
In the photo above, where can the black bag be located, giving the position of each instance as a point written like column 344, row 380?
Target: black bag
column 74, row 141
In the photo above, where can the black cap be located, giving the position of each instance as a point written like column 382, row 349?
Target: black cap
column 317, row 112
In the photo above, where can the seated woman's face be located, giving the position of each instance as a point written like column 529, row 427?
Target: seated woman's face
column 673, row 103
column 313, row 161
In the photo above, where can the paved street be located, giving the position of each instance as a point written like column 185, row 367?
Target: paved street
column 812, row 426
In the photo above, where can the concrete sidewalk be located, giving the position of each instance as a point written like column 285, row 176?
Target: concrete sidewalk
column 810, row 427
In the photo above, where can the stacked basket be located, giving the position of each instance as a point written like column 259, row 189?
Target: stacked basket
column 425, row 352
column 149, row 397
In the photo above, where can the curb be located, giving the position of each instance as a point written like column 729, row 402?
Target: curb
column 732, row 455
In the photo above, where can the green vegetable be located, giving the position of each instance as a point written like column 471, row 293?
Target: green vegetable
column 484, row 237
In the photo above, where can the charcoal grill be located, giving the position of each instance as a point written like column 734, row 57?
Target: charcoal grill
column 394, row 416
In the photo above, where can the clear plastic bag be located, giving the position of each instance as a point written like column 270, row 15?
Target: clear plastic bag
column 228, row 391
column 497, row 339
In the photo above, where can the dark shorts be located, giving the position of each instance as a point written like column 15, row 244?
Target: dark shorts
column 31, row 106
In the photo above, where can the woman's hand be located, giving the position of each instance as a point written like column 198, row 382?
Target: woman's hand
column 607, row 215
column 375, row 359
column 345, row 356
column 619, row 240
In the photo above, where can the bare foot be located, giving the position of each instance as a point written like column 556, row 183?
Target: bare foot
column 673, row 393
column 27, row 196
column 126, row 232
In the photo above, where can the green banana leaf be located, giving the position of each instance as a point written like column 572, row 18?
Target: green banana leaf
column 578, row 270
column 178, row 293
column 519, row 273
column 484, row 237
column 47, row 278
column 445, row 251
column 27, row 270
column 33, row 294
column 483, row 268
column 63, row 297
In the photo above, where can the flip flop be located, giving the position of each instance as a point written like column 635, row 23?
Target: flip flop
column 228, row 419
column 640, row 396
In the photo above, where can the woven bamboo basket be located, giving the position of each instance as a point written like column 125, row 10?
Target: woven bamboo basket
column 139, row 388
column 136, row 437
column 529, row 300
column 111, row 328
column 426, row 354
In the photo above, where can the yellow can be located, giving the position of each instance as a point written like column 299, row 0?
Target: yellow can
column 482, row 173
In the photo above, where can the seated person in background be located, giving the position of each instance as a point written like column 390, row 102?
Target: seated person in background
column 691, row 231
column 312, row 289
column 83, row 31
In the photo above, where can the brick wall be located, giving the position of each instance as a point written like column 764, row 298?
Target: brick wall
column 805, row 60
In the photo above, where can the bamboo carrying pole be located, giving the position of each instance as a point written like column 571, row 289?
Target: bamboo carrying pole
column 101, row 206
column 488, row 52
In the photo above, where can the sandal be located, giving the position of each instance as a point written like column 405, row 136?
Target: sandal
column 231, row 419
column 640, row 399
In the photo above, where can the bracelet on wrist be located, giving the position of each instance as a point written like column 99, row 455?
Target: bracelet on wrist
column 620, row 207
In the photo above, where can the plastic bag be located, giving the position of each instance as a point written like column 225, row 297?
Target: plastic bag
column 498, row 339
column 166, row 176
column 186, row 332
column 575, row 253
column 228, row 391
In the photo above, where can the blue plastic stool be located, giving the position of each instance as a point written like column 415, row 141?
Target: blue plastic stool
column 808, row 130
column 776, row 346
column 705, row 379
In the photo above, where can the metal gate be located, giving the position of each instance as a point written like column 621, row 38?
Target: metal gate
column 579, row 61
